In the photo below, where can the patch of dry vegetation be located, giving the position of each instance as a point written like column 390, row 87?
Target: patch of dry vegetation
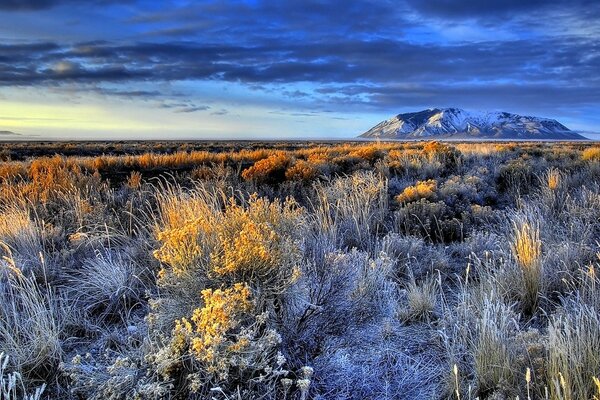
column 299, row 271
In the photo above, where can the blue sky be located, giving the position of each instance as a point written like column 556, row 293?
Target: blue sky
column 108, row 69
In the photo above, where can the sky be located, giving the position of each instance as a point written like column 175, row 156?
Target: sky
column 294, row 69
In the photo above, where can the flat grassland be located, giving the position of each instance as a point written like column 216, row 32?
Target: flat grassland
column 297, row 270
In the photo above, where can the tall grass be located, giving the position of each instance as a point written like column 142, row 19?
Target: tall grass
column 33, row 320
column 12, row 386
column 527, row 249
column 573, row 360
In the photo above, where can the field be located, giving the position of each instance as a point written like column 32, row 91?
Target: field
column 296, row 270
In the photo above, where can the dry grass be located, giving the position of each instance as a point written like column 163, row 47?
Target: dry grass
column 553, row 179
column 573, row 362
column 495, row 360
column 527, row 250
column 12, row 386
column 32, row 324
column 421, row 301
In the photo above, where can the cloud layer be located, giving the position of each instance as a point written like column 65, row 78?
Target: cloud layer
column 378, row 56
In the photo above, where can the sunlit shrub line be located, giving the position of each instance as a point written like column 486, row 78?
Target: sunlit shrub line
column 302, row 163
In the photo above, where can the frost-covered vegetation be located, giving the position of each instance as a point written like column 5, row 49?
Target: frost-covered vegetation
column 300, row 271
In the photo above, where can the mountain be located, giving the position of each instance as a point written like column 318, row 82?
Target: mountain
column 455, row 123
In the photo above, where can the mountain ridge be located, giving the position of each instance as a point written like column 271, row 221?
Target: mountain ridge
column 456, row 123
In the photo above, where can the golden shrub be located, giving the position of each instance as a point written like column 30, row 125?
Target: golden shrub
column 181, row 248
column 591, row 154
column 257, row 241
column 421, row 190
column 225, row 341
column 206, row 332
column 369, row 152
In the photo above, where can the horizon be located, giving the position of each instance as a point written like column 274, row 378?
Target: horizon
column 259, row 70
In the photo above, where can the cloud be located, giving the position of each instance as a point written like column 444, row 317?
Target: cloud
column 34, row 5
column 220, row 112
column 14, row 5
column 497, row 8
column 350, row 61
column 329, row 55
column 192, row 109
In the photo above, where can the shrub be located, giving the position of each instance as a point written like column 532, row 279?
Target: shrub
column 433, row 221
column 242, row 263
column 421, row 190
column 515, row 177
column 223, row 344
column 302, row 171
column 591, row 154
column 269, row 170
column 367, row 152
column 447, row 155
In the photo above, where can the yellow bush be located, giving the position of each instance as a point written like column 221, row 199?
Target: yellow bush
column 181, row 248
column 256, row 242
column 591, row 154
column 369, row 152
column 421, row 190
column 206, row 332
column 224, row 342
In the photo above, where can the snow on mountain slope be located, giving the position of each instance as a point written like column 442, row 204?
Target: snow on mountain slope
column 461, row 124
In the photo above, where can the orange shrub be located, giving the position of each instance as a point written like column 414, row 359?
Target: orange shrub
column 447, row 155
column 268, row 170
column 369, row 153
column 301, row 171
column 12, row 170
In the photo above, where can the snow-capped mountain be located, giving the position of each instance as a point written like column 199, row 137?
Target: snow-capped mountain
column 456, row 123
